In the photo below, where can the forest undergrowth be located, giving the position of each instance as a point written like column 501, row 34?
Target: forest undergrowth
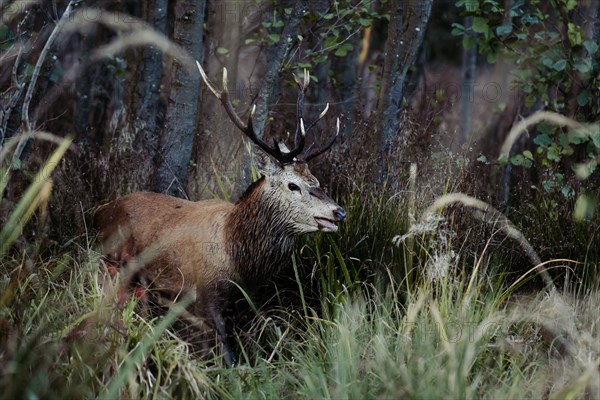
column 398, row 304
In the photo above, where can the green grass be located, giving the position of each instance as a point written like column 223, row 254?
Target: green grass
column 65, row 336
column 362, row 316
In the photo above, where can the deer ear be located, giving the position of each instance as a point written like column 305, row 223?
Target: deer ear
column 265, row 164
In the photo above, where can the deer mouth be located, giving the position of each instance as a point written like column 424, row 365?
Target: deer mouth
column 326, row 225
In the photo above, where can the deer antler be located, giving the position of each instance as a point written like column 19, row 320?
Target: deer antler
column 308, row 155
column 248, row 128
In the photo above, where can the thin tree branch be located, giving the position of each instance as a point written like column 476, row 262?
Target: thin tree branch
column 25, row 122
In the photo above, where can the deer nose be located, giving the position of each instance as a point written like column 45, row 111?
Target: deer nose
column 339, row 214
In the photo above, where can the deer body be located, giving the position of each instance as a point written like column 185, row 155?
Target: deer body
column 207, row 247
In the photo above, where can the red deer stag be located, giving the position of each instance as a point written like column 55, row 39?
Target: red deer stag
column 206, row 247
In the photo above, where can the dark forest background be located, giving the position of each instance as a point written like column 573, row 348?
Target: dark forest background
column 437, row 84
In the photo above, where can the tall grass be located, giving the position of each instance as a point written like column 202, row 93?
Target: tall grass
column 377, row 326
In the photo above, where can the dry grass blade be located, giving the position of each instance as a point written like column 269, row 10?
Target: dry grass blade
column 533, row 119
column 491, row 215
column 138, row 32
column 15, row 9
column 35, row 195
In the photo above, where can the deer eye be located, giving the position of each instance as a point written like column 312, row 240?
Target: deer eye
column 293, row 186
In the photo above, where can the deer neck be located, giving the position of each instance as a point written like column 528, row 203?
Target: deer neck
column 260, row 238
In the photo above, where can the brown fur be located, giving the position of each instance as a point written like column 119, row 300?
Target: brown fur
column 203, row 247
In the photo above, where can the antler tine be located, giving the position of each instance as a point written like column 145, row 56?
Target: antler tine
column 300, row 134
column 320, row 117
column 207, row 82
column 247, row 129
column 327, row 145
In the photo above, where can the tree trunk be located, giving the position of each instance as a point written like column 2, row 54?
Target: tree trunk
column 469, row 61
column 146, row 99
column 275, row 56
column 180, row 121
column 408, row 20
column 345, row 71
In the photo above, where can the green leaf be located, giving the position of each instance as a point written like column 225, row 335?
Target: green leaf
column 222, row 50
column 567, row 151
column 583, row 98
column 567, row 191
column 530, row 19
column 343, row 50
column 560, row 65
column 590, row 46
column 364, row 22
column 596, row 139
column 457, row 29
column 570, row 4
column 575, row 34
column 546, row 128
column 480, row 25
column 584, row 65
column 482, row 159
column 527, row 154
column 577, row 136
column 520, row 161
column 502, row 30
column 274, row 38
column 549, row 185
column 553, row 153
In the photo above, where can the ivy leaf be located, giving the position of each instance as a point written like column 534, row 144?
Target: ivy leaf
column 480, row 25
column 527, row 154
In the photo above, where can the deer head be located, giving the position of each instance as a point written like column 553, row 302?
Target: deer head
column 287, row 184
